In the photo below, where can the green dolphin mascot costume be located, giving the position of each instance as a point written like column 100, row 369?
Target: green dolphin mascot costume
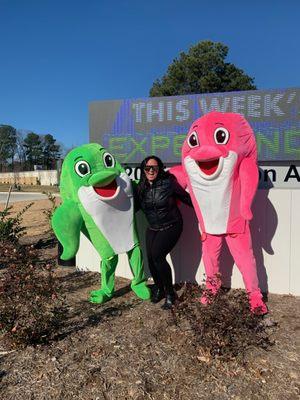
column 97, row 200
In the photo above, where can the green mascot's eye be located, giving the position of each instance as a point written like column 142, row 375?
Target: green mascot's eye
column 108, row 160
column 82, row 168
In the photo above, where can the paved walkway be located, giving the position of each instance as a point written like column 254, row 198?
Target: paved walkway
column 17, row 196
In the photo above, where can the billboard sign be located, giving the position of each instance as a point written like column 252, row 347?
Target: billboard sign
column 135, row 128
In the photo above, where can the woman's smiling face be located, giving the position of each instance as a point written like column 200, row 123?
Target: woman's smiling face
column 151, row 169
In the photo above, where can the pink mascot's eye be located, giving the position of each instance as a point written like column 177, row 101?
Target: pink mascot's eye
column 221, row 136
column 193, row 140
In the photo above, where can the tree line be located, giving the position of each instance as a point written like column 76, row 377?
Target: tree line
column 21, row 151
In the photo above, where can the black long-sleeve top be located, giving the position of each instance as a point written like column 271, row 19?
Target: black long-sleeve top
column 158, row 200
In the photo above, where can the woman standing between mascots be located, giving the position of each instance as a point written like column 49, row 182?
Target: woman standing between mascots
column 157, row 194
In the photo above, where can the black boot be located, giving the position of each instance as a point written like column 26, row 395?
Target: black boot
column 157, row 294
column 170, row 301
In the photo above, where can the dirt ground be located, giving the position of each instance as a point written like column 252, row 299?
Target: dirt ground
column 35, row 220
column 130, row 349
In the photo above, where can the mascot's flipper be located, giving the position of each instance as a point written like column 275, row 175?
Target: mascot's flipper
column 178, row 172
column 249, row 181
column 66, row 223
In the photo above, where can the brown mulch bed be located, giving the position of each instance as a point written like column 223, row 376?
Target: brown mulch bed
column 130, row 349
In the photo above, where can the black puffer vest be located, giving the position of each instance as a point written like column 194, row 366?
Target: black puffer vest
column 158, row 202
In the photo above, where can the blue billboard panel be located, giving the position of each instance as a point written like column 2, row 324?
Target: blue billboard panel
column 135, row 128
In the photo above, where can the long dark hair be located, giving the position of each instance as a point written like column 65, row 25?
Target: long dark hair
column 143, row 180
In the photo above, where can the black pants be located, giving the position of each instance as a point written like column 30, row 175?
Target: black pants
column 159, row 244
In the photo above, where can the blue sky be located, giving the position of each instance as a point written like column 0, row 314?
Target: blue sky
column 57, row 56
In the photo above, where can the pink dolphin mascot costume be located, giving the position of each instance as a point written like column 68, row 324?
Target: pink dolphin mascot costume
column 219, row 167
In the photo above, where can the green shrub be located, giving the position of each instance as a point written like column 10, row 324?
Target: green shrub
column 10, row 227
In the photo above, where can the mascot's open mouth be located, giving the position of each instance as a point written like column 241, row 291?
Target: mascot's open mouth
column 108, row 190
column 208, row 167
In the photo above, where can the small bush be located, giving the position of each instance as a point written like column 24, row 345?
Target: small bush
column 10, row 227
column 31, row 308
column 225, row 328
column 48, row 213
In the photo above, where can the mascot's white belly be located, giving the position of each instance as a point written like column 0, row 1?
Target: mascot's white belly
column 113, row 216
column 213, row 192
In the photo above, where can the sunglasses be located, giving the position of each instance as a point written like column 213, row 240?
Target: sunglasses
column 155, row 168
